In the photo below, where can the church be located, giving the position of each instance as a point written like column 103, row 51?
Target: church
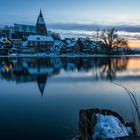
column 36, row 35
column 21, row 30
column 41, row 28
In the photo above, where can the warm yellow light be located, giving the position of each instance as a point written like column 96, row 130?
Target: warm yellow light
column 134, row 43
column 134, row 63
column 8, row 68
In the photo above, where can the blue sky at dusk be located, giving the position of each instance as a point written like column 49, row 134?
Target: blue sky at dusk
column 75, row 17
column 71, row 11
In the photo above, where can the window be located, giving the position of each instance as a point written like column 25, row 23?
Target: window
column 38, row 38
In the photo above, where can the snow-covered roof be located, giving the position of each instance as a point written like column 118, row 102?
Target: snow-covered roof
column 3, row 38
column 72, row 44
column 82, row 39
column 58, row 43
column 40, row 38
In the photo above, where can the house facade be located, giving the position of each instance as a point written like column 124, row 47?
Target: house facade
column 6, row 43
column 40, row 41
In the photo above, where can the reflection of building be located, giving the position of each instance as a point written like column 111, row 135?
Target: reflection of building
column 24, row 70
column 41, row 81
column 29, row 70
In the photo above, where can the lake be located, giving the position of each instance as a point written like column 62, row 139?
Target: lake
column 41, row 98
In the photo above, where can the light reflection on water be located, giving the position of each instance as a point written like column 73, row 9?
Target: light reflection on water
column 41, row 98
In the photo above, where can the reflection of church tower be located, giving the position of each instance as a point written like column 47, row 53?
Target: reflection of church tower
column 41, row 25
column 41, row 81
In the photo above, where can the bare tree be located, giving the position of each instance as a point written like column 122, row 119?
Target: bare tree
column 111, row 39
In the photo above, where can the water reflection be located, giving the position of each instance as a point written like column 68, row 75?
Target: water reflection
column 71, row 84
column 38, row 70
column 109, row 67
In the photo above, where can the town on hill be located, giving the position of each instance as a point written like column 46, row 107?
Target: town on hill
column 38, row 40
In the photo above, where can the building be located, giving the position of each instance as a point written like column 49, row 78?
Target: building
column 1, row 44
column 35, row 35
column 41, row 25
column 40, row 41
column 22, row 31
column 6, row 43
column 17, row 42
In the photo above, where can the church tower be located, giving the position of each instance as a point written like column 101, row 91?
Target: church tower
column 41, row 25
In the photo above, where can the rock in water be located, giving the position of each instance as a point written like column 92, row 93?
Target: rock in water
column 103, row 124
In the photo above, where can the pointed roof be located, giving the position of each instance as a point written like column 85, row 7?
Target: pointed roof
column 40, row 19
column 41, row 81
column 40, row 13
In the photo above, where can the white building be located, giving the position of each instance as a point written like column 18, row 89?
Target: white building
column 40, row 41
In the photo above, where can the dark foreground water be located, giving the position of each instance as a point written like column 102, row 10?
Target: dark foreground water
column 40, row 99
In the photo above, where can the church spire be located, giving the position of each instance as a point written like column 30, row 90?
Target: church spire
column 40, row 19
column 41, row 25
column 40, row 15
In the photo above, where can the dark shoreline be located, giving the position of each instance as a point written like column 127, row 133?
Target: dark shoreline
column 67, row 55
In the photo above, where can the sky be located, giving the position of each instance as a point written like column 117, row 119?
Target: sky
column 75, row 15
column 71, row 11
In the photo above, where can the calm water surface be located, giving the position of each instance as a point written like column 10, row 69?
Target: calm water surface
column 42, row 98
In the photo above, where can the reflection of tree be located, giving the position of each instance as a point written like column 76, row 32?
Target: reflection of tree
column 38, row 70
column 111, row 66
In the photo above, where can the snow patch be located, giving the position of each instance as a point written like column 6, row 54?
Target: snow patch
column 109, row 127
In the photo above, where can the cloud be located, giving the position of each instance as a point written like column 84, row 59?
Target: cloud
column 93, row 27
column 72, row 29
